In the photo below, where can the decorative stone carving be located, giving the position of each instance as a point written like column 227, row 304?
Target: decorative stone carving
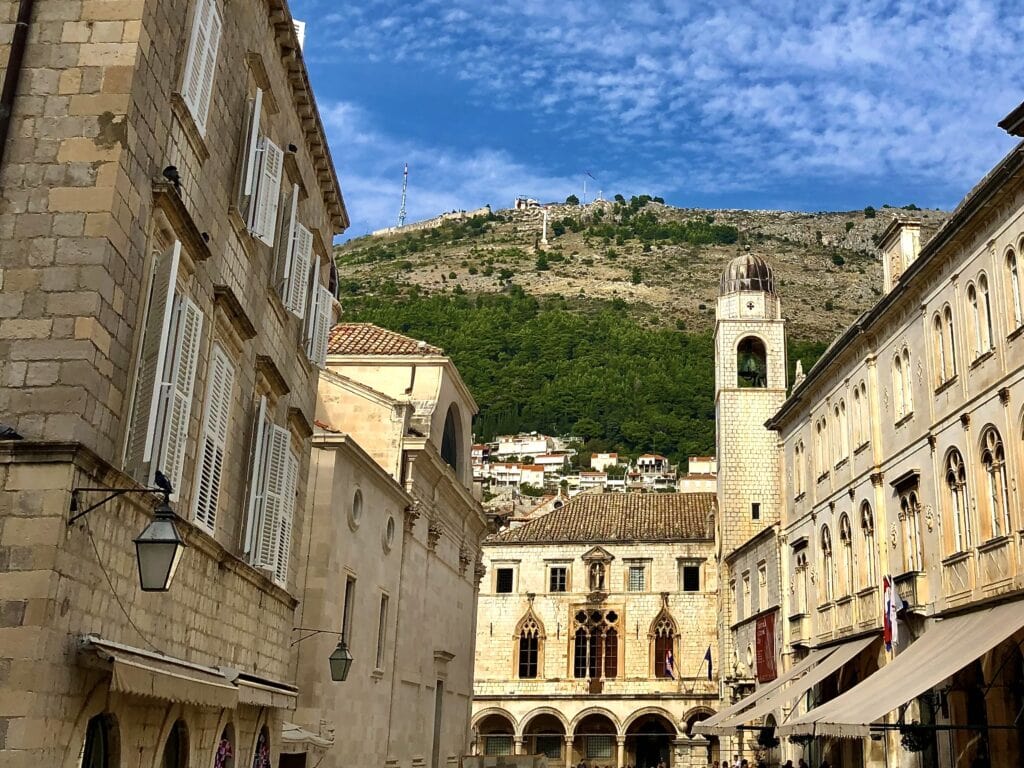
column 894, row 535
column 929, row 517
column 412, row 514
column 479, row 570
column 433, row 534
column 464, row 560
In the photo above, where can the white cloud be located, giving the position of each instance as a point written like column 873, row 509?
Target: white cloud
column 743, row 93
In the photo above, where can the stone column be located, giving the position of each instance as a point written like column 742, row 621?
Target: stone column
column 517, row 745
column 620, row 759
column 568, row 751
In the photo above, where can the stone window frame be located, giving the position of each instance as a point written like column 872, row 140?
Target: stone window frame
column 690, row 562
column 762, row 586
column 628, row 564
column 502, row 565
column 549, row 566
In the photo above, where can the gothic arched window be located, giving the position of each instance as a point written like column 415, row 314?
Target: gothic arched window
column 827, row 566
column 596, row 644
column 959, row 509
column 910, row 517
column 664, row 632
column 846, row 553
column 993, row 458
column 987, row 335
column 450, row 438
column 751, row 363
column 867, row 530
column 1013, row 286
column 529, row 648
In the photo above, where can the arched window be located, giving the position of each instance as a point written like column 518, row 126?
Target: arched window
column 798, row 468
column 865, row 415
column 908, row 382
column 909, row 515
column 827, row 567
column 844, row 431
column 801, row 582
column 867, row 530
column 98, row 750
column 939, row 350
column 261, row 757
column 821, row 448
column 846, row 553
column 986, row 313
column 176, row 746
column 949, row 340
column 974, row 318
column 899, row 405
column 225, row 757
column 529, row 648
column 596, row 644
column 1013, row 286
column 751, row 363
column 993, row 458
column 959, row 509
column 664, row 653
column 450, row 438
column 856, row 405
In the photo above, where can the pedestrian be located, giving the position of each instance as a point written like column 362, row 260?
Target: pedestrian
column 789, row 764
column 802, row 764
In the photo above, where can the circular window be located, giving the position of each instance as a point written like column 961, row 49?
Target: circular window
column 355, row 512
column 750, row 656
column 389, row 533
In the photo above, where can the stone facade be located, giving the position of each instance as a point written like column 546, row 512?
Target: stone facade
column 94, row 218
column 382, row 437
column 637, row 714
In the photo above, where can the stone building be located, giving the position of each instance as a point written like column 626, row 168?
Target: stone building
column 902, row 456
column 595, row 623
column 392, row 557
column 169, row 205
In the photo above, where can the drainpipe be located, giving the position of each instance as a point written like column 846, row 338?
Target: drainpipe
column 13, row 73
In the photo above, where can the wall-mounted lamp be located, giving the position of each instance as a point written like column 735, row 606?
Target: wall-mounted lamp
column 340, row 660
column 158, row 548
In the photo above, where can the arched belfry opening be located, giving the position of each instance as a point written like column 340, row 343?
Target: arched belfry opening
column 751, row 363
column 450, row 438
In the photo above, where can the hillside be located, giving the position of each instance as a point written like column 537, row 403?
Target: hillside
column 606, row 331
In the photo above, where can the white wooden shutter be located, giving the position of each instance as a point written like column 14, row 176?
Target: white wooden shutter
column 268, row 192
column 283, row 268
column 275, row 498
column 322, row 309
column 213, row 442
column 153, row 348
column 288, row 496
column 252, row 145
column 298, row 272
column 176, row 398
column 257, row 480
column 201, row 64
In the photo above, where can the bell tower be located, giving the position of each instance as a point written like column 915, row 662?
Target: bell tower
column 750, row 386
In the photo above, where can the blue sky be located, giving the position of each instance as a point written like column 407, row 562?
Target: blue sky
column 779, row 105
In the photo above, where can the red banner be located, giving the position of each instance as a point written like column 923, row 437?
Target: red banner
column 765, row 638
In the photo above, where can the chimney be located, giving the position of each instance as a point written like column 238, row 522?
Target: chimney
column 899, row 245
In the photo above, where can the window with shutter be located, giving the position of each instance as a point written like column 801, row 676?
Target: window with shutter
column 213, row 443
column 201, row 64
column 283, row 258
column 153, row 351
column 263, row 208
column 249, row 157
column 298, row 271
column 288, row 494
column 175, row 403
column 275, row 471
column 257, row 480
column 316, row 347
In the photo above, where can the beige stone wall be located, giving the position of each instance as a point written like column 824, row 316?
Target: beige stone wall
column 95, row 122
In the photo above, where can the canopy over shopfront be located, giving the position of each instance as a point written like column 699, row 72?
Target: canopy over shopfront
column 784, row 691
column 943, row 649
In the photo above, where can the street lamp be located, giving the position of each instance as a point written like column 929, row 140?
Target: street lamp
column 158, row 549
column 340, row 660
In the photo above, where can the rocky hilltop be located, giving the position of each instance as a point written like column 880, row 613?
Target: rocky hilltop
column 660, row 262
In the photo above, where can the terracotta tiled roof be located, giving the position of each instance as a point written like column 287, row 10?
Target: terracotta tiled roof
column 370, row 339
column 610, row 517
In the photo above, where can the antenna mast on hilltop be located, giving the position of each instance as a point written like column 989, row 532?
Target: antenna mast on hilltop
column 405, row 187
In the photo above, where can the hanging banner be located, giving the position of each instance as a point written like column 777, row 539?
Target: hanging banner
column 765, row 640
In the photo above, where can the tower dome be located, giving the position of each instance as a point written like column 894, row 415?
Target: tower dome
column 747, row 273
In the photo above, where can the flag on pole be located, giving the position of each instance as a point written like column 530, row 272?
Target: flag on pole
column 707, row 658
column 892, row 605
column 670, row 667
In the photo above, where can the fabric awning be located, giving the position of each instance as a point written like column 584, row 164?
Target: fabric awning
column 713, row 724
column 144, row 673
column 788, row 696
column 260, row 692
column 942, row 650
